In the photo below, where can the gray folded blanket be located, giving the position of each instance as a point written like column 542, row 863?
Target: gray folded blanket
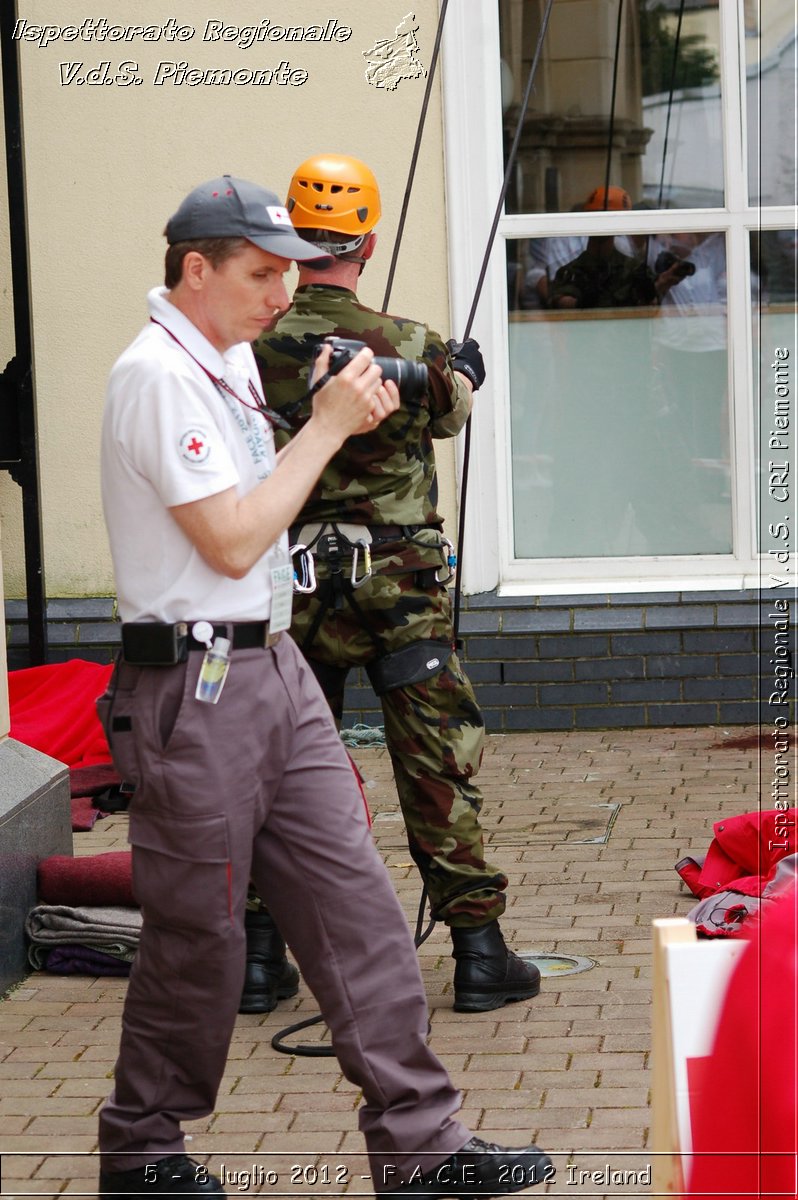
column 115, row 931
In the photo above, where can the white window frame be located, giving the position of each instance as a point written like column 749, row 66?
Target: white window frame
column 474, row 173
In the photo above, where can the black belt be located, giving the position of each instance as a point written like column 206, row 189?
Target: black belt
column 247, row 635
column 379, row 533
column 394, row 533
column 159, row 644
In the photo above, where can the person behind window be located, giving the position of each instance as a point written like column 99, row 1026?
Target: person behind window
column 601, row 276
column 608, row 273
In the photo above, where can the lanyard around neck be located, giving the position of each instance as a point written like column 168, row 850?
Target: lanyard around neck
column 259, row 406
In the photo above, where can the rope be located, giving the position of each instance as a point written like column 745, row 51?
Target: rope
column 358, row 731
column 670, row 103
column 511, row 157
column 360, row 736
column 611, row 130
column 414, row 158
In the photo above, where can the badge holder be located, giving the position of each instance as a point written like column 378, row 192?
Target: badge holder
column 215, row 663
column 282, row 594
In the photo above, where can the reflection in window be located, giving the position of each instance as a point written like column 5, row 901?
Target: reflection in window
column 770, row 51
column 775, row 255
column 619, row 398
column 648, row 117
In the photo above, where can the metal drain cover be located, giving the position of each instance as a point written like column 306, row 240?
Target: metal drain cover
column 557, row 964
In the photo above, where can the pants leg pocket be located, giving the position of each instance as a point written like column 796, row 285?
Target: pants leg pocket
column 182, row 872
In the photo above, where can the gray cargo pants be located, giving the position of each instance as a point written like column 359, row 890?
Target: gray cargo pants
column 259, row 785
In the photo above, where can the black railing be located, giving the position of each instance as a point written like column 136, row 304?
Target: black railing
column 18, row 445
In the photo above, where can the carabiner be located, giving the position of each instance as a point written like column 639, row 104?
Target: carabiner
column 308, row 581
column 364, row 546
column 451, row 560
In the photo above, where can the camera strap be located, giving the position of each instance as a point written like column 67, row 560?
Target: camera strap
column 310, row 393
column 222, row 385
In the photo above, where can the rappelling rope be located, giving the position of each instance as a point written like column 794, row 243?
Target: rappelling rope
column 321, row 1051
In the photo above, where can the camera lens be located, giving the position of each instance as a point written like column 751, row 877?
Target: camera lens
column 410, row 377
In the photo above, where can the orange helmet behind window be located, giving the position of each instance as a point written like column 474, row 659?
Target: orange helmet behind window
column 334, row 194
column 611, row 199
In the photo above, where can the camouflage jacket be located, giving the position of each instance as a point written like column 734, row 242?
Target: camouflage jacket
column 382, row 478
column 599, row 281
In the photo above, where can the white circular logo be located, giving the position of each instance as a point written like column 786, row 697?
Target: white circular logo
column 194, row 446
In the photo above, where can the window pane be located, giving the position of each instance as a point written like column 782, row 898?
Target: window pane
column 770, row 51
column 618, row 396
column 664, row 123
column 775, row 255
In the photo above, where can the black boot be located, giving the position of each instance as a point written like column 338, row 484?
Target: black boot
column 269, row 975
column 487, row 974
column 479, row 1169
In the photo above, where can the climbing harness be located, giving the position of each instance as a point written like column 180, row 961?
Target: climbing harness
column 334, row 542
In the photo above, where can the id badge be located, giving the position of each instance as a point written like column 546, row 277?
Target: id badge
column 282, row 595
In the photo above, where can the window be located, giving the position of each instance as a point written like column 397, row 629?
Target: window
column 619, row 416
column 644, row 262
column 627, row 93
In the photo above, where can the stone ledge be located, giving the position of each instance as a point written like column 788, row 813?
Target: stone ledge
column 35, row 821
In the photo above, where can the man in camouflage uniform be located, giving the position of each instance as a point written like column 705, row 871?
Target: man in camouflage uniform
column 377, row 498
column 601, row 276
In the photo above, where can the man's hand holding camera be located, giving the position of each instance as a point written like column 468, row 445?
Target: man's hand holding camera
column 670, row 270
column 232, row 531
column 355, row 398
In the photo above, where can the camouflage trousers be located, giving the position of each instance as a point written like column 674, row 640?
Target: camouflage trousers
column 433, row 729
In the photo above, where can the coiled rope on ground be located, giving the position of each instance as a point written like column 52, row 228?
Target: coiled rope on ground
column 360, row 736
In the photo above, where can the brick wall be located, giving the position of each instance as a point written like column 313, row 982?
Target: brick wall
column 557, row 662
column 613, row 661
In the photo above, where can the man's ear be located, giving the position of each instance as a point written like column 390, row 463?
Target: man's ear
column 195, row 268
column 367, row 249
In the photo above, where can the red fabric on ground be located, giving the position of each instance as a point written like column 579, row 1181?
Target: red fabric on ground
column 91, row 781
column 52, row 710
column 744, row 853
column 98, row 880
column 83, row 814
column 745, row 1137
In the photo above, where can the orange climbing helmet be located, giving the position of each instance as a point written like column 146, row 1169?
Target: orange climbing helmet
column 333, row 194
column 611, row 199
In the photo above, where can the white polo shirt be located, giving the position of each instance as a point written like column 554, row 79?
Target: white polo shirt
column 171, row 436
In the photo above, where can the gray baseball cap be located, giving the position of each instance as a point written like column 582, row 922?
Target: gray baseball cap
column 229, row 207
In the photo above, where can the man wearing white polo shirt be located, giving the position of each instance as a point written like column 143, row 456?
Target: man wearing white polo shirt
column 214, row 716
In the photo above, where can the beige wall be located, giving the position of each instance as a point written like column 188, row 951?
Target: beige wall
column 106, row 165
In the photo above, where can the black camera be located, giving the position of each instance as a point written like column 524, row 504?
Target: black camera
column 666, row 260
column 410, row 377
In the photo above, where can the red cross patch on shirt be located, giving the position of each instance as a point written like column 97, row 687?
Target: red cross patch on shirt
column 194, row 446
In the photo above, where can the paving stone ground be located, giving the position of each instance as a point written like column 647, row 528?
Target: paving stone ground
column 588, row 827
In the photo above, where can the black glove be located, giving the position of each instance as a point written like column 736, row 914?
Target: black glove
column 467, row 359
